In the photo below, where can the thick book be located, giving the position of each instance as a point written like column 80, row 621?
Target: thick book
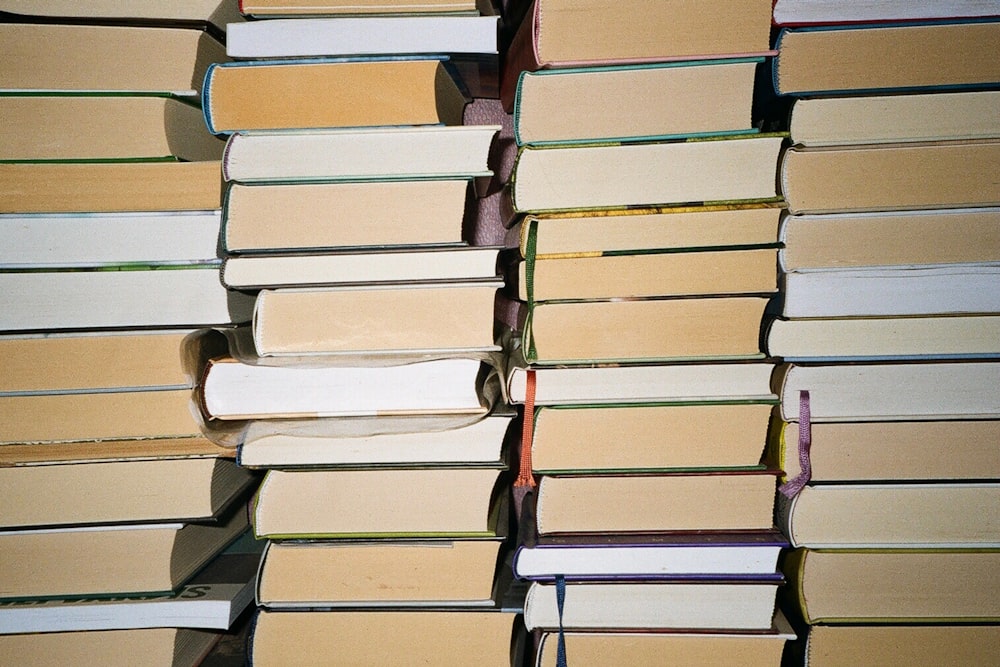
column 421, row 442
column 646, row 648
column 382, row 153
column 917, row 645
column 944, row 289
column 806, row 12
column 231, row 390
column 390, row 638
column 162, row 645
column 884, row 338
column 669, row 272
column 414, row 503
column 425, row 318
column 109, row 561
column 104, row 127
column 90, row 240
column 212, row 599
column 102, row 186
column 49, row 57
column 928, row 515
column 349, row 7
column 396, row 573
column 638, row 229
column 869, row 119
column 719, row 501
column 686, row 98
column 894, row 586
column 906, row 450
column 323, row 216
column 712, row 327
column 394, row 267
column 216, row 13
column 660, row 436
column 880, row 239
column 330, row 92
column 746, row 605
column 610, row 175
column 155, row 298
column 125, row 491
column 891, row 391
column 703, row 555
column 871, row 58
column 561, row 33
column 641, row 383
column 949, row 174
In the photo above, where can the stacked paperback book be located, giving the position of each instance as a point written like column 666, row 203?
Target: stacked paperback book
column 889, row 330
column 366, row 384
column 115, row 507
column 643, row 212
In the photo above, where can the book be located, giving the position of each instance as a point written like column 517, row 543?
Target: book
column 49, row 57
column 109, row 492
column 907, row 450
column 110, row 561
column 660, row 436
column 158, row 298
column 175, row 646
column 336, row 7
column 746, row 605
column 713, row 327
column 216, row 13
column 868, row 119
column 673, row 99
column 670, row 272
column 917, row 645
column 86, row 451
column 890, row 176
column 97, row 187
column 364, row 35
column 877, row 587
column 944, row 289
column 89, row 240
column 409, row 266
column 231, row 390
column 613, row 175
column 104, row 127
column 641, row 383
column 879, row 239
column 320, row 216
column 329, row 92
column 375, row 637
column 647, row 647
column 403, row 573
column 430, row 441
column 452, row 317
column 453, row 503
column 383, row 153
column 885, row 57
column 900, row 515
column 891, row 391
column 719, row 501
column 636, row 229
column 664, row 556
column 884, row 338
column 801, row 12
column 560, row 33
column 212, row 599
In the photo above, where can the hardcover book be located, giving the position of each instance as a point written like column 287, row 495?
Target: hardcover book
column 338, row 7
column 917, row 645
column 802, row 12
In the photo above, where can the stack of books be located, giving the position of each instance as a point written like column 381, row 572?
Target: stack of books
column 366, row 385
column 643, row 238
column 114, row 502
column 889, row 329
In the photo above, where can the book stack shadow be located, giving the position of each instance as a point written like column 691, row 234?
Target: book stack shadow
column 367, row 385
column 641, row 255
column 123, row 530
column 890, row 334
